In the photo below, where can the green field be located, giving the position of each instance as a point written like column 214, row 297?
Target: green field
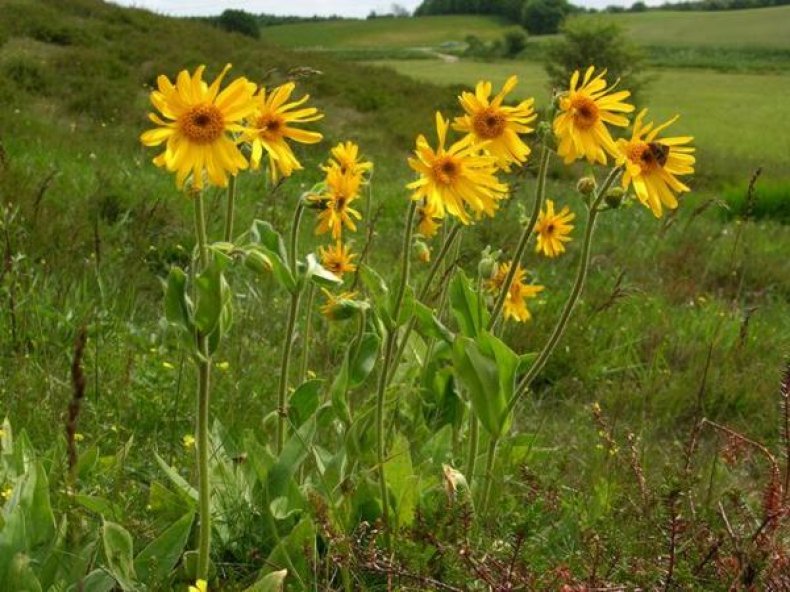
column 683, row 317
column 386, row 32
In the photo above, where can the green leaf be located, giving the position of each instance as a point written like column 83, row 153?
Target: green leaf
column 273, row 246
column 465, row 306
column 291, row 458
column 339, row 390
column 379, row 293
column 297, row 550
column 96, row 581
column 189, row 494
column 401, row 480
column 319, row 274
column 304, row 401
column 118, row 549
column 272, row 582
column 406, row 308
column 213, row 293
column 21, row 575
column 363, row 358
column 157, row 560
column 98, row 505
column 429, row 325
column 178, row 307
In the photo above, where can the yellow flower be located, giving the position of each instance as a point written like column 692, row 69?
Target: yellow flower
column 487, row 120
column 224, row 365
column 270, row 129
column 198, row 121
column 584, row 112
column 345, row 157
column 515, row 306
column 200, row 586
column 6, row 493
column 651, row 164
column 553, row 230
column 336, row 211
column 427, row 221
column 452, row 179
column 337, row 258
column 188, row 441
column 339, row 307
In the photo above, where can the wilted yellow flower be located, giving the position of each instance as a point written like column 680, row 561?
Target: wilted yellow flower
column 584, row 112
column 270, row 128
column 515, row 306
column 197, row 126
column 337, row 258
column 427, row 221
column 651, row 164
column 345, row 157
column 200, row 586
column 339, row 307
column 341, row 191
column 553, row 230
column 488, row 120
column 452, row 179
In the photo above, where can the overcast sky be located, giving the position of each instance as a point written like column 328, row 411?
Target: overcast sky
column 357, row 8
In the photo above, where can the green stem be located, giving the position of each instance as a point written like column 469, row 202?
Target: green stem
column 308, row 328
column 526, row 233
column 392, row 333
column 474, row 436
column 293, row 309
column 201, row 436
column 489, row 476
column 576, row 292
column 230, row 211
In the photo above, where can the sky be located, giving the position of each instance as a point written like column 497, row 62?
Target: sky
column 351, row 8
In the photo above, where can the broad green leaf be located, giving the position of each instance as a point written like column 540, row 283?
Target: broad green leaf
column 339, row 390
column 469, row 313
column 291, row 458
column 401, row 480
column 364, row 355
column 429, row 325
column 379, row 293
column 96, row 581
column 98, row 505
column 297, row 550
column 187, row 491
column 178, row 307
column 319, row 274
column 272, row 582
column 118, row 548
column 157, row 560
column 213, row 293
column 304, row 401
column 406, row 308
column 21, row 576
column 273, row 246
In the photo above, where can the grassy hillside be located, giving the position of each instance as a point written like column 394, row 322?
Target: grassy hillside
column 431, row 31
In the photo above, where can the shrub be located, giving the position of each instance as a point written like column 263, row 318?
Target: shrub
column 543, row 17
column 239, row 21
column 514, row 43
column 595, row 41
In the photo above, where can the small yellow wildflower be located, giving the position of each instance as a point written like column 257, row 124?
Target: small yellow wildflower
column 584, row 112
column 553, row 230
column 197, row 126
column 515, row 306
column 337, row 258
column 488, row 120
column 651, row 164
column 200, row 586
column 78, row 437
column 454, row 178
column 270, row 128
column 6, row 493
column 336, row 213
column 223, row 365
column 188, row 441
column 168, row 365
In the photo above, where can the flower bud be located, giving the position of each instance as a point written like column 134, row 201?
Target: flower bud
column 487, row 267
column 257, row 261
column 614, row 197
column 422, row 251
column 586, row 185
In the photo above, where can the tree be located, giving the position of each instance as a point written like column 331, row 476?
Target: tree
column 543, row 17
column 514, row 43
column 239, row 21
column 595, row 41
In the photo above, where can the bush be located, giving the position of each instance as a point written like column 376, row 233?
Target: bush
column 543, row 17
column 239, row 21
column 514, row 43
column 596, row 41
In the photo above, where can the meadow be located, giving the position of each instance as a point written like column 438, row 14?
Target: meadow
column 607, row 477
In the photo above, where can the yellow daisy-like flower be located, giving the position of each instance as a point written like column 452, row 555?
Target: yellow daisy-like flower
column 200, row 586
column 427, row 221
column 337, row 258
column 271, row 126
column 336, row 211
column 515, row 306
column 651, row 164
column 197, row 126
column 339, row 307
column 452, row 179
column 487, row 120
column 346, row 158
column 584, row 112
column 553, row 230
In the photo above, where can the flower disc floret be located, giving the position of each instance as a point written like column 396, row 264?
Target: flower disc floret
column 585, row 110
column 197, row 124
column 457, row 179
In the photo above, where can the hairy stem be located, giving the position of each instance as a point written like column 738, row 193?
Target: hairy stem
column 229, row 213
